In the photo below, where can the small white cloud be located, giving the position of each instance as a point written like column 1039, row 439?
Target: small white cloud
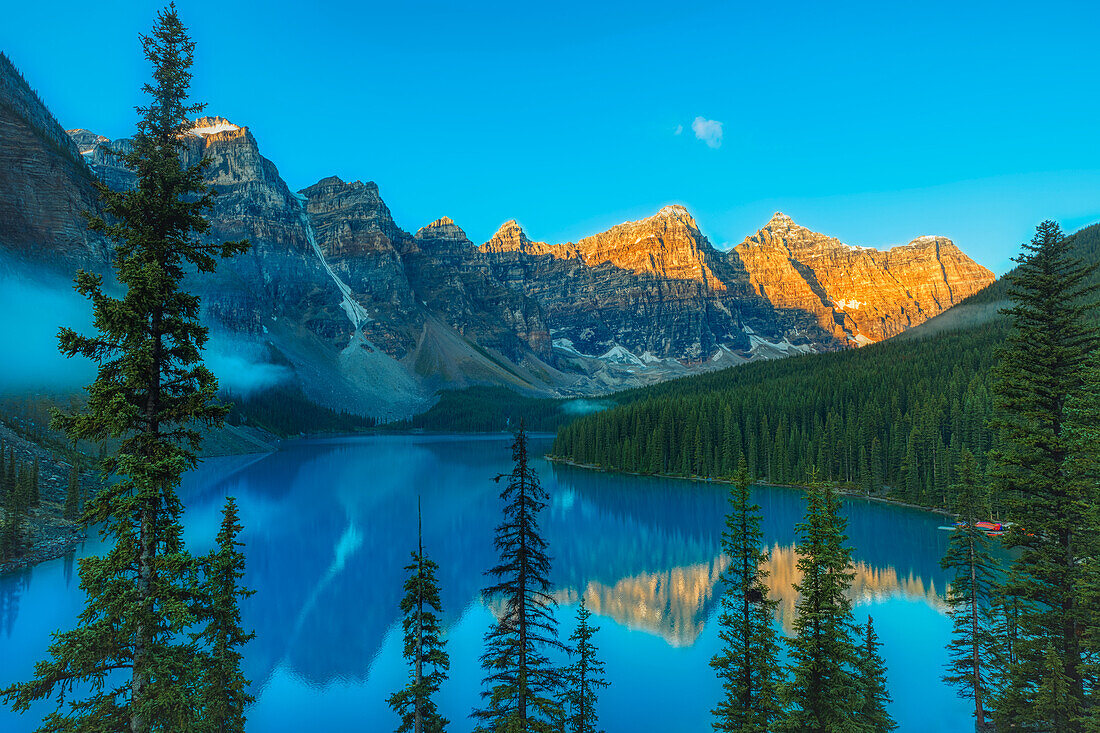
column 709, row 131
column 679, row 129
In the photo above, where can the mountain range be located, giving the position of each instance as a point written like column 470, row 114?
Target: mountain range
column 365, row 316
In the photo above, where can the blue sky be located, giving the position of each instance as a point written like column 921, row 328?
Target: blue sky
column 874, row 122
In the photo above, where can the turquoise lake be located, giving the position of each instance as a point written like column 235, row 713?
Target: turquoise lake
column 330, row 523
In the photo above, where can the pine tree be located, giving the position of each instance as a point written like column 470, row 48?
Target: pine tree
column 583, row 678
column 11, row 474
column 1042, row 366
column 748, row 662
column 34, row 477
column 522, row 686
column 970, row 592
column 424, row 648
column 873, row 696
column 224, row 689
column 130, row 656
column 71, row 509
column 822, row 695
column 12, row 538
column 24, row 487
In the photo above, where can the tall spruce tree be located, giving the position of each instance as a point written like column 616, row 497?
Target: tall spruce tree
column 223, row 688
column 1041, row 366
column 424, row 648
column 130, row 657
column 522, row 685
column 970, row 593
column 822, row 695
column 872, row 715
column 748, row 661
column 583, row 677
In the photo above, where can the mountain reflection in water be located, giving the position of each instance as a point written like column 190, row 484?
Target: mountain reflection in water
column 329, row 525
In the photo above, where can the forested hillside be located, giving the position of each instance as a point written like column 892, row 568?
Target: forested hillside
column 892, row 417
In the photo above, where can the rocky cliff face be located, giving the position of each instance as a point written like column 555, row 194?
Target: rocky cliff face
column 372, row 318
column 656, row 289
column 363, row 246
column 281, row 275
column 44, row 184
column 447, row 275
column 858, row 294
column 640, row 292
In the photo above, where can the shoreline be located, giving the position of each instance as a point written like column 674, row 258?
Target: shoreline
column 701, row 479
column 53, row 536
column 57, row 546
column 58, row 537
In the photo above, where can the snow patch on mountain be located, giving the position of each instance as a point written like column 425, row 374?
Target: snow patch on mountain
column 759, row 346
column 861, row 340
column 213, row 129
column 619, row 355
column 566, row 345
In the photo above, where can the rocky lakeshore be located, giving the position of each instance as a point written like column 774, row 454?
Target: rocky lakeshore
column 49, row 534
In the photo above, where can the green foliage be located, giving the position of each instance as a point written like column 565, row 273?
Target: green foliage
column 522, row 686
column 823, row 694
column 223, row 690
column 130, row 656
column 583, row 678
column 871, row 673
column 424, row 648
column 1004, row 636
column 748, row 661
column 1042, row 366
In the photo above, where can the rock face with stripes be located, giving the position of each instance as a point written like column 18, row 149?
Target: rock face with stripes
column 860, row 294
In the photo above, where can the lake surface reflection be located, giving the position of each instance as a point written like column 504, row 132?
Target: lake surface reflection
column 330, row 523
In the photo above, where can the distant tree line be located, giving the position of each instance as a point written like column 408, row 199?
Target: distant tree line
column 287, row 411
column 895, row 417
